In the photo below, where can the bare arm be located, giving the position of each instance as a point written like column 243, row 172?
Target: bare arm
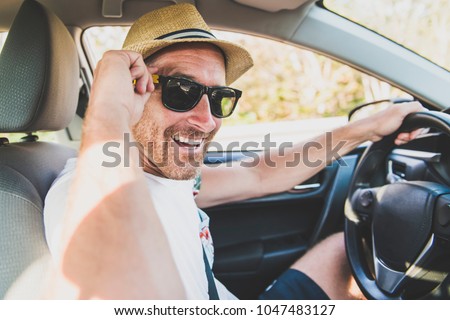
column 114, row 246
column 280, row 170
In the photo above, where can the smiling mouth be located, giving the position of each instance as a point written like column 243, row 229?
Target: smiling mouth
column 187, row 142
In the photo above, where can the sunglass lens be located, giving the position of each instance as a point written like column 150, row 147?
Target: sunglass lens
column 222, row 102
column 181, row 95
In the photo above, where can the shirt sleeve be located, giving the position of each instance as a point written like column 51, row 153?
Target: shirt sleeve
column 55, row 205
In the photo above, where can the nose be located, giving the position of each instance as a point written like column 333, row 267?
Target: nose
column 201, row 117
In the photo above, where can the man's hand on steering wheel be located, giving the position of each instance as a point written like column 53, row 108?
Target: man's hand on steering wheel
column 389, row 120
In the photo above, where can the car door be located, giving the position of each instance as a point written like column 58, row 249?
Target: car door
column 257, row 239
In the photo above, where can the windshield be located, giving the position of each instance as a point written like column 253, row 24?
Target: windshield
column 420, row 25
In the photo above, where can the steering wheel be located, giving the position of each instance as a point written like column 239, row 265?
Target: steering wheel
column 397, row 235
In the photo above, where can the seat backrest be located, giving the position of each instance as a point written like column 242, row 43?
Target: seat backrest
column 39, row 74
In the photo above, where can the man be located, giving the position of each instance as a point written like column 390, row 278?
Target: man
column 131, row 233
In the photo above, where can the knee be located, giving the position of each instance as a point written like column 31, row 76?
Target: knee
column 334, row 243
column 333, row 248
column 328, row 253
column 326, row 263
column 335, row 237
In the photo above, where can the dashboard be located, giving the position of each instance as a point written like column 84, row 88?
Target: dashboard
column 425, row 159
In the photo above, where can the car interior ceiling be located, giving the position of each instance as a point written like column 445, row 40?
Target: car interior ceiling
column 117, row 13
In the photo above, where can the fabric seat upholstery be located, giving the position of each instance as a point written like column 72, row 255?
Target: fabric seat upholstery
column 39, row 74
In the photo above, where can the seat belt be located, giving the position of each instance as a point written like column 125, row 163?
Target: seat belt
column 212, row 290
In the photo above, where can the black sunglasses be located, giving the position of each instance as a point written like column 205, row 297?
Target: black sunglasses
column 181, row 95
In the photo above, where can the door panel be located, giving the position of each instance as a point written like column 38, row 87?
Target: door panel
column 257, row 239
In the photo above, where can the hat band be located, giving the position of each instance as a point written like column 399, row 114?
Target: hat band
column 187, row 33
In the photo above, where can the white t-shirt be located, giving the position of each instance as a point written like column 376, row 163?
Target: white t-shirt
column 175, row 205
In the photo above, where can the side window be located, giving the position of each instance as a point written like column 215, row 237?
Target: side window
column 98, row 40
column 293, row 93
column 290, row 94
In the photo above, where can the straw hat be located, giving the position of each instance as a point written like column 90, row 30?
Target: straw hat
column 183, row 23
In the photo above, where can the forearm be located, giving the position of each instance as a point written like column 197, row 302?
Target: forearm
column 277, row 170
column 281, row 169
column 304, row 160
column 114, row 246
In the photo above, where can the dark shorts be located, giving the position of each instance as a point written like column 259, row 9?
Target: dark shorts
column 294, row 285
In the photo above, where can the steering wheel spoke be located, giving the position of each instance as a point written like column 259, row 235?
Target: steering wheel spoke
column 393, row 282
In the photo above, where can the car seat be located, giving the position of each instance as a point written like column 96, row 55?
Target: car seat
column 39, row 84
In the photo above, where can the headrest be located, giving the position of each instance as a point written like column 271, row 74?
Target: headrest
column 39, row 72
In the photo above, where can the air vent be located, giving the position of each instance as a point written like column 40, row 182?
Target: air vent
column 399, row 169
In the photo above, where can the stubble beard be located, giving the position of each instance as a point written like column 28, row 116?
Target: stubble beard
column 160, row 153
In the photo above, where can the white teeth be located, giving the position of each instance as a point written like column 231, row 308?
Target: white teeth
column 190, row 141
column 186, row 140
